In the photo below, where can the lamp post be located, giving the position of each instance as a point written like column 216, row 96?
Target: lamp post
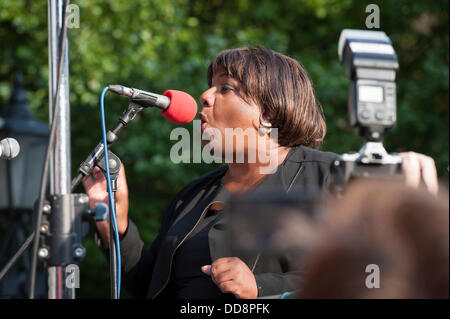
column 19, row 186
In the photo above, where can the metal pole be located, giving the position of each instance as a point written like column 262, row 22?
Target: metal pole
column 60, row 165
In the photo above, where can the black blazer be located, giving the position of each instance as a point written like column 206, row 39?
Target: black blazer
column 146, row 271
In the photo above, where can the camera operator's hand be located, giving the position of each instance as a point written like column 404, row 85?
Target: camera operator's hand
column 417, row 166
column 232, row 275
column 96, row 188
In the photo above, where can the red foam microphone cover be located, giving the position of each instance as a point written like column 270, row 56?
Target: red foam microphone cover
column 182, row 108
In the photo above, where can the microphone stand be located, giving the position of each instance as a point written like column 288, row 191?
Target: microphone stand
column 96, row 158
column 67, row 214
column 59, row 167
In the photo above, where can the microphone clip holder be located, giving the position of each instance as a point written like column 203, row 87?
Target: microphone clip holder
column 96, row 155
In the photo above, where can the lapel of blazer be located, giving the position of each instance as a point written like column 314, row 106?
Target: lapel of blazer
column 191, row 210
column 220, row 236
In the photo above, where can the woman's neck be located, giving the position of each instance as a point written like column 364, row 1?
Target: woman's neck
column 244, row 177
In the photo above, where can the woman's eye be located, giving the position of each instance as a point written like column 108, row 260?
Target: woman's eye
column 227, row 87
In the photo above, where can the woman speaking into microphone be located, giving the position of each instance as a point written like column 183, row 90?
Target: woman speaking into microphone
column 256, row 92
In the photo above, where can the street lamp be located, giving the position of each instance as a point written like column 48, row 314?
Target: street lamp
column 19, row 182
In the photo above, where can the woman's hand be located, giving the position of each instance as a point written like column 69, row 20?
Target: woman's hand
column 417, row 166
column 96, row 189
column 232, row 275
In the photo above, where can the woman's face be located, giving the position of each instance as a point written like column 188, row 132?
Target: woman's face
column 224, row 109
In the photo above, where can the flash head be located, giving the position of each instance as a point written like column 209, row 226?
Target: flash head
column 371, row 64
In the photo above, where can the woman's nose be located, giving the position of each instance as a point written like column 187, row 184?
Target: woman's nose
column 207, row 97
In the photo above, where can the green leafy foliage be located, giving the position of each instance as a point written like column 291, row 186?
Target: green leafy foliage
column 156, row 45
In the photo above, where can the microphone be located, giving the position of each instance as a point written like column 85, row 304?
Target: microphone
column 176, row 106
column 9, row 148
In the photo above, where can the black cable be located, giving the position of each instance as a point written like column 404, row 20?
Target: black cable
column 17, row 255
column 51, row 139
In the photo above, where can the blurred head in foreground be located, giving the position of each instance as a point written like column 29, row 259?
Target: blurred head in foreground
column 382, row 240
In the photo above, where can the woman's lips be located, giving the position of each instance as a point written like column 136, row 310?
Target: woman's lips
column 204, row 125
column 204, row 121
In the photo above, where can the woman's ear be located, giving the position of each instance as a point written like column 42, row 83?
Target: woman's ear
column 265, row 128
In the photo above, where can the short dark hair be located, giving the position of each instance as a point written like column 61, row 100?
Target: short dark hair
column 281, row 87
